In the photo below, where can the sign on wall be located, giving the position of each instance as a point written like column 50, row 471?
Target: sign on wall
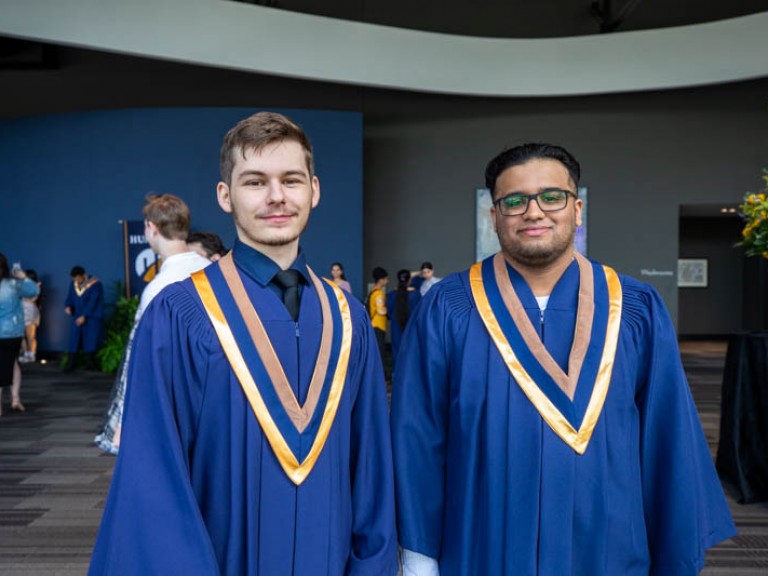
column 141, row 263
column 692, row 273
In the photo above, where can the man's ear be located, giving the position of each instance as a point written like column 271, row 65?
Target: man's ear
column 315, row 191
column 224, row 198
column 579, row 206
column 151, row 227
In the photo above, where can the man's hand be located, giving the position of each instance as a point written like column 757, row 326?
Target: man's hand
column 80, row 320
column 68, row 311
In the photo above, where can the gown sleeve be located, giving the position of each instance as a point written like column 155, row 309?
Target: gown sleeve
column 93, row 301
column 374, row 539
column 152, row 523
column 420, row 396
column 685, row 509
column 70, row 300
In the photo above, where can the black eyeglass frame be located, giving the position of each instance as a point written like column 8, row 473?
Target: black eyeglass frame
column 535, row 197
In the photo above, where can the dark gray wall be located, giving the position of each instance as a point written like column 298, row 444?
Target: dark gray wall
column 642, row 154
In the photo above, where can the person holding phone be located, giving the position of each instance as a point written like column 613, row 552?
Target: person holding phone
column 14, row 286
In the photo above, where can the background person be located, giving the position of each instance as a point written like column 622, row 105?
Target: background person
column 428, row 278
column 14, row 286
column 339, row 278
column 542, row 422
column 166, row 224
column 85, row 306
column 401, row 303
column 207, row 244
column 31, row 307
column 377, row 308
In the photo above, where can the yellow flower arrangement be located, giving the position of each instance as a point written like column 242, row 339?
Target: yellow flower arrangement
column 754, row 210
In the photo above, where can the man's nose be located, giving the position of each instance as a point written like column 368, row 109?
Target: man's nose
column 534, row 211
column 275, row 192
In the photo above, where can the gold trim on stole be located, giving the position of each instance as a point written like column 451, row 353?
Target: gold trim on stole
column 301, row 416
column 296, row 471
column 585, row 313
column 80, row 290
column 576, row 439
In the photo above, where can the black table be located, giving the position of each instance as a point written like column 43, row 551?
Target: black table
column 742, row 453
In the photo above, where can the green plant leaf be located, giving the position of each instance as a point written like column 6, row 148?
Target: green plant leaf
column 118, row 329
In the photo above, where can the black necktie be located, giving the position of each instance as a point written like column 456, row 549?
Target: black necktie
column 288, row 280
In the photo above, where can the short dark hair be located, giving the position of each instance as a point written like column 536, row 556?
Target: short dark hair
column 427, row 265
column 77, row 271
column 524, row 153
column 256, row 133
column 379, row 273
column 210, row 242
column 402, row 309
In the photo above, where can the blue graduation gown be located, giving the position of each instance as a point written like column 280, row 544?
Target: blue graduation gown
column 197, row 489
column 91, row 305
column 484, row 485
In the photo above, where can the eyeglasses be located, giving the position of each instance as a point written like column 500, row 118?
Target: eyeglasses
column 550, row 200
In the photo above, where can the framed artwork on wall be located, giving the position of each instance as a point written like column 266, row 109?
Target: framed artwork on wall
column 581, row 231
column 486, row 242
column 692, row 273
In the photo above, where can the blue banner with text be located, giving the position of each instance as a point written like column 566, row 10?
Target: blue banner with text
column 141, row 263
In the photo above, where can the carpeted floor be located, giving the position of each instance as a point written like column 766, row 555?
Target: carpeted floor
column 53, row 481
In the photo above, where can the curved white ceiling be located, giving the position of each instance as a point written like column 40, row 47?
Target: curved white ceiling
column 268, row 41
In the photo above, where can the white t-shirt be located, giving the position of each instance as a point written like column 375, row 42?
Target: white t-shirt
column 174, row 269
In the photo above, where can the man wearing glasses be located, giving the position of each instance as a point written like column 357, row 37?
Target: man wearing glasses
column 542, row 423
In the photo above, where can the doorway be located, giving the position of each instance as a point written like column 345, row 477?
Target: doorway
column 711, row 306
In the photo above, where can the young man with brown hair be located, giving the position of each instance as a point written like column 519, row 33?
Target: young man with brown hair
column 256, row 437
